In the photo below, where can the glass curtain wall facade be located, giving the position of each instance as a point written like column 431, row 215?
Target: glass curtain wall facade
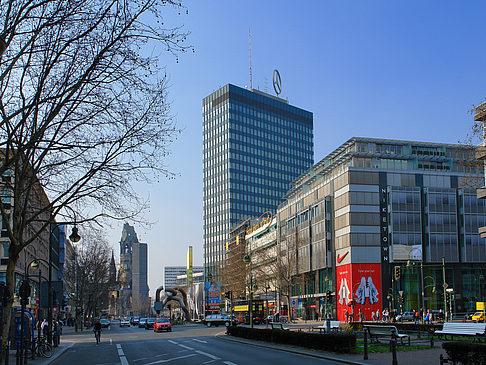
column 254, row 146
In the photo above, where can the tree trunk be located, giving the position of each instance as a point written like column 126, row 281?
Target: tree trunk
column 10, row 284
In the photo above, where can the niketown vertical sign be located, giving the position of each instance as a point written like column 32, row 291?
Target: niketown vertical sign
column 384, row 234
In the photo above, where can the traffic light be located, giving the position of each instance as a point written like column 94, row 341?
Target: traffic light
column 328, row 294
column 397, row 272
column 24, row 293
column 5, row 295
column 227, row 295
column 54, row 299
column 64, row 302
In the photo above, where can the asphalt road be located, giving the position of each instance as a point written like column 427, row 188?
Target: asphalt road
column 193, row 344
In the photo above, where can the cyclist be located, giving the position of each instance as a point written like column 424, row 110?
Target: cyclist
column 97, row 331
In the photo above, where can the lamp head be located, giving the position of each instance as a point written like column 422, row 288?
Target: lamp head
column 34, row 265
column 247, row 259
column 74, row 237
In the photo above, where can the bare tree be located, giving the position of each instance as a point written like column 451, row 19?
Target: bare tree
column 84, row 112
column 88, row 275
column 285, row 268
column 465, row 154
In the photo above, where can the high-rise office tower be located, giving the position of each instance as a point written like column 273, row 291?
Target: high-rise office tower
column 255, row 145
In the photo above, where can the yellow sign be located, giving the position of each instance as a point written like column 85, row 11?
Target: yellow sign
column 240, row 308
column 264, row 220
column 479, row 306
column 189, row 266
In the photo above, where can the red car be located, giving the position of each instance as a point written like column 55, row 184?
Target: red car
column 162, row 324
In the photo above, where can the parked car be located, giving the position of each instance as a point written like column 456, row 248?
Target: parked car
column 217, row 319
column 478, row 316
column 406, row 316
column 124, row 322
column 162, row 324
column 149, row 325
column 134, row 321
column 105, row 323
column 141, row 322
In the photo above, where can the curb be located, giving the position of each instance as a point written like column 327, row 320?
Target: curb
column 58, row 354
column 291, row 350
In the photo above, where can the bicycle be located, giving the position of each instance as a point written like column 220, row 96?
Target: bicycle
column 40, row 347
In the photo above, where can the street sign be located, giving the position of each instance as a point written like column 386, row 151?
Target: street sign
column 445, row 285
column 293, row 302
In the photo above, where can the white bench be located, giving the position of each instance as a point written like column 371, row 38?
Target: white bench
column 334, row 325
column 385, row 331
column 278, row 326
column 461, row 329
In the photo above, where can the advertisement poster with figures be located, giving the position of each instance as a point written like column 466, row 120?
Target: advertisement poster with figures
column 361, row 283
column 213, row 294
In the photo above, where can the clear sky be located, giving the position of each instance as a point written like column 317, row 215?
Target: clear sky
column 386, row 69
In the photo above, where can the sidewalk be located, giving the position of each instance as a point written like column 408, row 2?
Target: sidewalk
column 416, row 357
column 56, row 351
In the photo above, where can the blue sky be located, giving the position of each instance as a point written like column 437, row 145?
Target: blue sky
column 386, row 69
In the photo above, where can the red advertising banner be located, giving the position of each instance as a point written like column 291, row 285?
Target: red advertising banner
column 360, row 283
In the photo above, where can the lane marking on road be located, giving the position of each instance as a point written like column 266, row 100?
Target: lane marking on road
column 186, row 347
column 167, row 360
column 202, row 341
column 123, row 359
column 175, row 343
column 228, row 363
column 208, row 355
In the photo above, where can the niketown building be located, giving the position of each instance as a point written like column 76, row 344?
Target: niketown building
column 377, row 223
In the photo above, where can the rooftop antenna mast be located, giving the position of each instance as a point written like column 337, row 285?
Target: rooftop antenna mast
column 249, row 39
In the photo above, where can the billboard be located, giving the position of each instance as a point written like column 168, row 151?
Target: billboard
column 360, row 283
column 213, row 294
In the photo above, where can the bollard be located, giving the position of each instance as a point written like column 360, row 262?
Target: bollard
column 365, row 343
column 432, row 342
column 393, row 343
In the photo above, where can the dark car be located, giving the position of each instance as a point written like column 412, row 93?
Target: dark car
column 141, row 322
column 406, row 316
column 218, row 319
column 149, row 325
column 134, row 321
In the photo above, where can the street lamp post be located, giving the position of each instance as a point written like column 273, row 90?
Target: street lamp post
column 445, row 287
column 247, row 260
column 74, row 237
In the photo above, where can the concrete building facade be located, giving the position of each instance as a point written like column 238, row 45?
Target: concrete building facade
column 376, row 223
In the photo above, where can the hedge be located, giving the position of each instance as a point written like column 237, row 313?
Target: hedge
column 337, row 342
column 470, row 353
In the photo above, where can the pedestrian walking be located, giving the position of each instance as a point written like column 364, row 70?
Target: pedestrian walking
column 378, row 315
column 373, row 316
